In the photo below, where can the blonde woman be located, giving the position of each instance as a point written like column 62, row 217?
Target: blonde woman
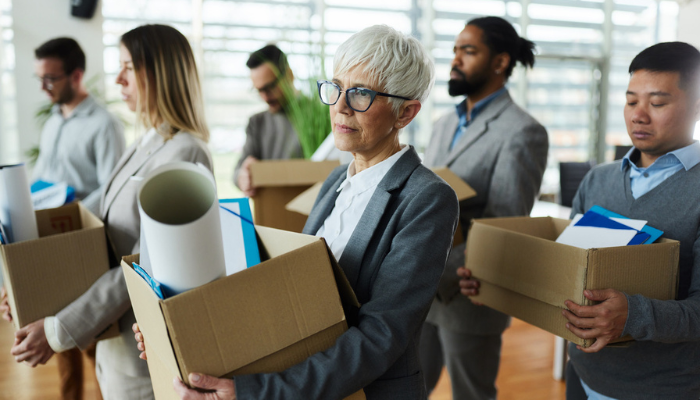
column 160, row 83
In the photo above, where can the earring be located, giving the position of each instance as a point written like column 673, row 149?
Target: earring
column 498, row 72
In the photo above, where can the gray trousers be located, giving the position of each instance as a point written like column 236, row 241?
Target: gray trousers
column 472, row 361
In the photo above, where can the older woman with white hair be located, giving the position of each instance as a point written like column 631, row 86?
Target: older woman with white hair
column 387, row 219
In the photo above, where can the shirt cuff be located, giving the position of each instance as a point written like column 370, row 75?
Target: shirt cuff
column 58, row 338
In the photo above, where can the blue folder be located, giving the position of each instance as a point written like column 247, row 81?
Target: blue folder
column 3, row 237
column 654, row 233
column 592, row 218
column 154, row 284
column 40, row 185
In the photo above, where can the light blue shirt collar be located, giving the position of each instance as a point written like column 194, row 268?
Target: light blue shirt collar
column 478, row 107
column 688, row 156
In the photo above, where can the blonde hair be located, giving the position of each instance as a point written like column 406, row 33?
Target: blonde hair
column 164, row 63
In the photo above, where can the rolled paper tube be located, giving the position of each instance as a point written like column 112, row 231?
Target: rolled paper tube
column 16, row 211
column 181, row 226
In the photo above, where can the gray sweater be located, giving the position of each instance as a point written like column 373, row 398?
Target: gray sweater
column 664, row 362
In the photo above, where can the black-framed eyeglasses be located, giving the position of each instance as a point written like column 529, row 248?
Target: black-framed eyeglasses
column 359, row 99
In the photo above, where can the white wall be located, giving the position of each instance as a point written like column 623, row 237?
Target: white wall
column 688, row 26
column 34, row 22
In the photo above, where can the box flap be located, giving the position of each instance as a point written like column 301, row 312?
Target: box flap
column 88, row 219
column 290, row 172
column 63, row 219
column 541, row 227
column 282, row 242
column 351, row 306
column 224, row 325
column 526, row 263
column 461, row 188
column 149, row 316
column 305, row 201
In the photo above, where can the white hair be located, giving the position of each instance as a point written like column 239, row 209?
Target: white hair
column 396, row 62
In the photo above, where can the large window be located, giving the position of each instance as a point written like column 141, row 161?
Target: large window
column 576, row 89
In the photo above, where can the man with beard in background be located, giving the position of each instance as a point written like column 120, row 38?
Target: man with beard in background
column 500, row 151
column 269, row 134
column 81, row 141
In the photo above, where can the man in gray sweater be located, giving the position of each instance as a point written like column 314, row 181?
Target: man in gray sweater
column 657, row 181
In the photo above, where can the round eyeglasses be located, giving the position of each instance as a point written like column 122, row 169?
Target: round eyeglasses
column 359, row 99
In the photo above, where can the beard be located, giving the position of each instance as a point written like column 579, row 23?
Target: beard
column 465, row 86
column 66, row 95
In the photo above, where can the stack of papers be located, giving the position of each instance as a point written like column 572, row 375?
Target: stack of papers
column 51, row 195
column 599, row 228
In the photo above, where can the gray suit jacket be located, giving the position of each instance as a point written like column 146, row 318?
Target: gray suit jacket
column 502, row 155
column 108, row 300
column 393, row 261
column 269, row 137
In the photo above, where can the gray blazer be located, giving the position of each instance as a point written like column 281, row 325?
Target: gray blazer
column 108, row 300
column 393, row 261
column 502, row 155
column 269, row 137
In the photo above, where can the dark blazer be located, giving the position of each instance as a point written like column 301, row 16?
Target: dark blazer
column 393, row 261
column 502, row 155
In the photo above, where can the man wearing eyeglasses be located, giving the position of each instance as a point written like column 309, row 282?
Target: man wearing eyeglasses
column 501, row 151
column 81, row 141
column 269, row 134
column 80, row 145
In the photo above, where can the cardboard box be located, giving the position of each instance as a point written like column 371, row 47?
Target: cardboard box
column 463, row 192
column 277, row 182
column 43, row 276
column 264, row 319
column 526, row 274
column 304, row 202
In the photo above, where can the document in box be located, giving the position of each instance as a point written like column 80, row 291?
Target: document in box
column 51, row 195
column 588, row 237
column 637, row 224
column 593, row 230
column 592, row 218
column 240, row 242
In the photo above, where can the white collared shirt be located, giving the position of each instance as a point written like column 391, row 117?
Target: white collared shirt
column 355, row 193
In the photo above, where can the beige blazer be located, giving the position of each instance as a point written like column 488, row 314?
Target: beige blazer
column 108, row 300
